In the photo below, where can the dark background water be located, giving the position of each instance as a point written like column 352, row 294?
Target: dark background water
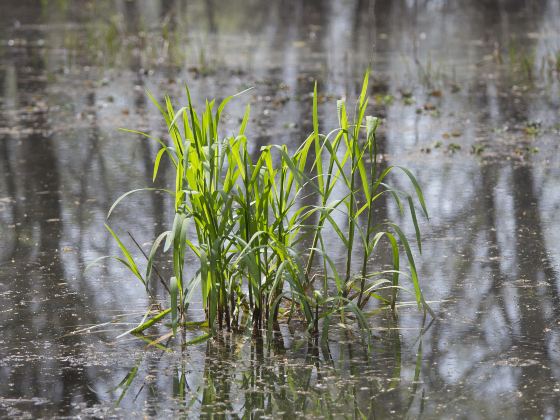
column 469, row 94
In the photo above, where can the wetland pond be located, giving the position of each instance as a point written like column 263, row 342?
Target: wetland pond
column 469, row 96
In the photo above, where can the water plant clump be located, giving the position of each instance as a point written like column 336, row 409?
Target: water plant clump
column 261, row 250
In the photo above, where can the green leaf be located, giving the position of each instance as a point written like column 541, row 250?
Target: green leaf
column 411, row 263
column 177, row 222
column 156, row 163
column 200, row 339
column 178, row 115
column 129, row 260
column 95, row 262
column 417, row 188
column 126, row 194
column 144, row 325
column 245, row 120
column 415, row 222
column 153, row 251
column 173, row 296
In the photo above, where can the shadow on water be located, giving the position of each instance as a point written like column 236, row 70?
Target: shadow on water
column 469, row 96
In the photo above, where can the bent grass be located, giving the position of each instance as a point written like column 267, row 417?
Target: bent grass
column 250, row 223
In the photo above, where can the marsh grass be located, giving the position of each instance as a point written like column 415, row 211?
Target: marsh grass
column 251, row 225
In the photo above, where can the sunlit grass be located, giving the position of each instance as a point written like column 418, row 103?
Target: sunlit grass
column 250, row 223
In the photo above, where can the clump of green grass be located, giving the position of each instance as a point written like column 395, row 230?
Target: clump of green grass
column 250, row 226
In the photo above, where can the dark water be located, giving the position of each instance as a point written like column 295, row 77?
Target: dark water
column 469, row 93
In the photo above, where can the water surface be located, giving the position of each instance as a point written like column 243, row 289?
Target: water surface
column 469, row 96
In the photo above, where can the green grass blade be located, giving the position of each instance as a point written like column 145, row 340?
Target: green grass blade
column 152, row 253
column 419, row 193
column 415, row 222
column 147, row 324
column 129, row 260
column 126, row 194
column 173, row 288
column 413, row 272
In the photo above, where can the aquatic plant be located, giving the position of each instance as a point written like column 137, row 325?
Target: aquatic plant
column 244, row 221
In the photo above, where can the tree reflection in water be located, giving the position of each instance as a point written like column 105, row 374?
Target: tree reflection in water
column 72, row 73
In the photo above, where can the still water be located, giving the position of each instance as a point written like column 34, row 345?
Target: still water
column 469, row 93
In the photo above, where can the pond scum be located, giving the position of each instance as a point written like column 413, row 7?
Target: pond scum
column 262, row 256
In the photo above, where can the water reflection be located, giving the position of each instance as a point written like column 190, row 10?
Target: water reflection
column 248, row 378
column 469, row 93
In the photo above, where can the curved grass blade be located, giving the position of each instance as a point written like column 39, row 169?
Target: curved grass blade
column 153, row 251
column 126, row 194
column 419, row 193
column 129, row 260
